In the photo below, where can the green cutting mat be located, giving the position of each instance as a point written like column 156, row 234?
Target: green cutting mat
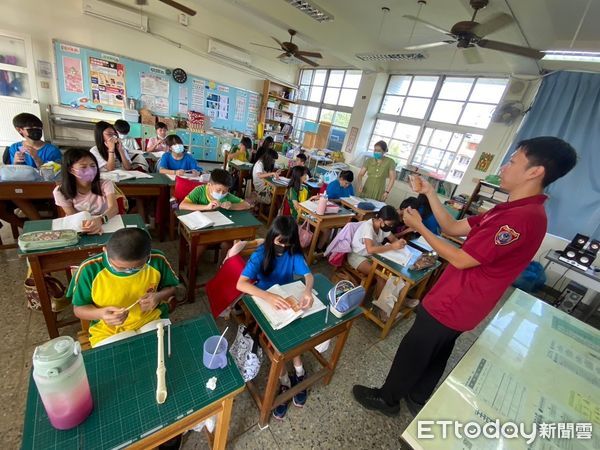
column 300, row 330
column 239, row 219
column 122, row 378
column 413, row 275
column 157, row 178
column 85, row 240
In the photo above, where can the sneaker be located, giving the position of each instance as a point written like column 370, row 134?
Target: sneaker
column 370, row 398
column 280, row 411
column 300, row 398
column 413, row 406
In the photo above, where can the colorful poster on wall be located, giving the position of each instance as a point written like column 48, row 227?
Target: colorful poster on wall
column 154, row 90
column 73, row 75
column 107, row 81
column 197, row 103
column 217, row 106
column 240, row 106
column 351, row 140
column 485, row 161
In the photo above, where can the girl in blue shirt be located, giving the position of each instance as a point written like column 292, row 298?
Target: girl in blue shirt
column 277, row 261
column 177, row 161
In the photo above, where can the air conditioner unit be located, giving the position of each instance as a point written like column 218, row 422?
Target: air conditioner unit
column 229, row 52
column 115, row 13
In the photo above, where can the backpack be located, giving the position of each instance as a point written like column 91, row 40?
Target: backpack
column 344, row 297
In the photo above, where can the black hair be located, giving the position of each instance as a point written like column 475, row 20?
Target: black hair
column 269, row 142
column 347, row 175
column 382, row 145
column 122, row 126
column 388, row 213
column 173, row 139
column 301, row 157
column 423, row 206
column 99, row 139
column 159, row 125
column 410, row 202
column 246, row 142
column 268, row 159
column 27, row 120
column 266, row 145
column 556, row 156
column 129, row 244
column 68, row 187
column 296, row 177
column 287, row 228
column 222, row 177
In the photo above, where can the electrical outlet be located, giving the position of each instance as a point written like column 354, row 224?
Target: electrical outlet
column 184, row 19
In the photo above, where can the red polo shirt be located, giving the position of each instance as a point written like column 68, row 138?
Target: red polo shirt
column 503, row 240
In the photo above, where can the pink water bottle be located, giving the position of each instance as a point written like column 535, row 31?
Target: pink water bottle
column 322, row 205
column 62, row 382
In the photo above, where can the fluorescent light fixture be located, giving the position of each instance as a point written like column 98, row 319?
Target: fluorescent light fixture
column 571, row 55
column 414, row 56
column 312, row 9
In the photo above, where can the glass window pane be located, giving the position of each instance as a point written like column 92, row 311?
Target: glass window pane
column 316, row 93
column 311, row 113
column 477, row 115
column 384, row 128
column 17, row 84
column 489, row 90
column 447, row 162
column 336, row 139
column 415, row 107
column 335, row 78
column 303, row 92
column 319, row 78
column 426, row 135
column 375, row 138
column 392, row 104
column 326, row 115
column 446, row 111
column 298, row 125
column 398, row 85
column 342, row 119
column 13, row 52
column 331, row 96
column 347, row 97
column 406, row 132
column 306, row 76
column 419, row 154
column 455, row 88
column 455, row 142
column 352, row 79
column 440, row 139
column 470, row 145
column 400, row 149
column 423, row 86
column 433, row 157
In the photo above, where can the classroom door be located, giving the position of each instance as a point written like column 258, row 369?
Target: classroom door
column 18, row 85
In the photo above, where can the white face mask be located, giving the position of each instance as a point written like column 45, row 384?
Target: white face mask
column 123, row 136
column 178, row 148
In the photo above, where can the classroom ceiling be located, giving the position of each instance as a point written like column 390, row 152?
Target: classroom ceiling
column 360, row 26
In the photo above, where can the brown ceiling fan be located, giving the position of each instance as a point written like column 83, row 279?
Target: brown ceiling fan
column 291, row 50
column 172, row 3
column 470, row 35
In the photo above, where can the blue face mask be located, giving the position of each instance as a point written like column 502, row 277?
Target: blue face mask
column 377, row 155
column 217, row 195
column 178, row 148
column 130, row 271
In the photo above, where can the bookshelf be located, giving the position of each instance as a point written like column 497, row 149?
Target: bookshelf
column 277, row 110
column 484, row 197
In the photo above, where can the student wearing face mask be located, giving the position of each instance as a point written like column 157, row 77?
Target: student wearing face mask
column 381, row 174
column 368, row 240
column 278, row 261
column 177, row 161
column 83, row 190
column 138, row 162
column 214, row 195
column 109, row 151
column 124, row 288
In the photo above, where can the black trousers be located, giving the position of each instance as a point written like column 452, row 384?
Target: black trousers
column 420, row 360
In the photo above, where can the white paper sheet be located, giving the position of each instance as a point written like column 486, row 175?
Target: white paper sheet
column 74, row 221
column 218, row 219
column 114, row 224
column 199, row 220
column 405, row 257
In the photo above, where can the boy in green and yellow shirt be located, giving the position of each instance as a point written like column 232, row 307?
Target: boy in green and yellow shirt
column 214, row 195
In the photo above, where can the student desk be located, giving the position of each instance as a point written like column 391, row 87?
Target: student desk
column 45, row 261
column 278, row 189
column 122, row 379
column 322, row 224
column 532, row 363
column 361, row 214
column 243, row 170
column 299, row 337
column 243, row 228
column 383, row 267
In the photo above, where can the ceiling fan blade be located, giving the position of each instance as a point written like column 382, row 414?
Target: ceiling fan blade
column 309, row 54
column 427, row 24
column 179, row 6
column 472, row 55
column 278, row 41
column 511, row 48
column 265, row 46
column 283, row 55
column 493, row 24
column 433, row 44
column 306, row 60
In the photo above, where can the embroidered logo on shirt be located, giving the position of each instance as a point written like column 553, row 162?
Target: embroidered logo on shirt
column 506, row 235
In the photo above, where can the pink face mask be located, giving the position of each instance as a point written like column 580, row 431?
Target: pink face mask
column 86, row 175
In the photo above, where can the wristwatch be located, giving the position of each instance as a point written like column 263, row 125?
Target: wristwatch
column 104, row 218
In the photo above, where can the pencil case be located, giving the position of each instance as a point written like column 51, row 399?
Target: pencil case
column 45, row 240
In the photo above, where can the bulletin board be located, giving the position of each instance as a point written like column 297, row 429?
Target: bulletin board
column 93, row 79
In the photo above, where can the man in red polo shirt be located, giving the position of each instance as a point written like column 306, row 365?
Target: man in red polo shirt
column 500, row 244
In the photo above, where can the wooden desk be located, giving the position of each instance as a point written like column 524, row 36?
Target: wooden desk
column 244, row 228
column 322, row 224
column 385, row 268
column 532, row 363
column 361, row 214
column 47, row 261
column 243, row 170
column 278, row 190
column 301, row 336
column 122, row 379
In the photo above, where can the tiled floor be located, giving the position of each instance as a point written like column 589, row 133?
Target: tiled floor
column 330, row 419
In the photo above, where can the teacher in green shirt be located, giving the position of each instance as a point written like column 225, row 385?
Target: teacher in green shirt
column 381, row 174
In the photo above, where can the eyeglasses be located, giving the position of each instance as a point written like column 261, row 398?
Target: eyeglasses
column 128, row 270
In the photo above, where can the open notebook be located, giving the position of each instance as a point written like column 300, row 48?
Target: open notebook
column 354, row 201
column 199, row 220
column 405, row 257
column 119, row 175
column 279, row 318
column 74, row 221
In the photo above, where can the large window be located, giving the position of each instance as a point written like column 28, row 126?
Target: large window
column 436, row 122
column 326, row 95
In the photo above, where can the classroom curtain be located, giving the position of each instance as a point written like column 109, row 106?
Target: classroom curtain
column 567, row 106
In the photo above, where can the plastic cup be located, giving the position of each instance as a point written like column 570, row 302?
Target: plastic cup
column 219, row 361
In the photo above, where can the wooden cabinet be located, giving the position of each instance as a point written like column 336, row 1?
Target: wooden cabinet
column 484, row 197
column 278, row 109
